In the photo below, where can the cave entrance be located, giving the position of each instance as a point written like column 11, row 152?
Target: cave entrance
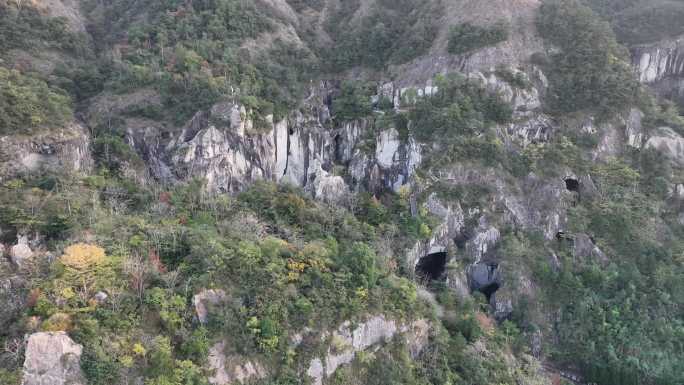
column 486, row 279
column 489, row 290
column 572, row 185
column 432, row 267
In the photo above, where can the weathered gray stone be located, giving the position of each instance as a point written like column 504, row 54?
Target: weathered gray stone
column 21, row 253
column 100, row 297
column 347, row 342
column 660, row 60
column 56, row 150
column 52, row 359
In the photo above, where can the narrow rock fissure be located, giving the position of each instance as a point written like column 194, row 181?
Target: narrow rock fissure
column 432, row 267
column 287, row 153
column 338, row 146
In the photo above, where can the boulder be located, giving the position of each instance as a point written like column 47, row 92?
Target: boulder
column 52, row 359
column 21, row 253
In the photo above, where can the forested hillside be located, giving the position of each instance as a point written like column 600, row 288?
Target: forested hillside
column 282, row 192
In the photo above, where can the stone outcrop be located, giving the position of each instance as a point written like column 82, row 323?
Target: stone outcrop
column 655, row 62
column 668, row 142
column 661, row 66
column 21, row 252
column 52, row 359
column 348, row 340
column 204, row 299
column 57, row 150
column 233, row 369
column 226, row 148
column 584, row 247
column 451, row 222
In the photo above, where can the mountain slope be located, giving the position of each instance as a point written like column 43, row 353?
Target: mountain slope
column 339, row 192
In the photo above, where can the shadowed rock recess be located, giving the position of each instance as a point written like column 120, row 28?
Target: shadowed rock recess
column 341, row 192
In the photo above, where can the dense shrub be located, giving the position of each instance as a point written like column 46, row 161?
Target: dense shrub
column 353, row 102
column 589, row 72
column 394, row 32
column 641, row 21
column 28, row 103
column 465, row 38
column 26, row 28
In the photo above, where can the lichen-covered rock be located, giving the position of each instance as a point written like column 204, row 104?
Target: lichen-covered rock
column 52, row 359
column 233, row 369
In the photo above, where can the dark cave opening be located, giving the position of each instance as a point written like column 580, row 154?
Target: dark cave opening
column 572, row 184
column 489, row 290
column 432, row 267
column 486, row 279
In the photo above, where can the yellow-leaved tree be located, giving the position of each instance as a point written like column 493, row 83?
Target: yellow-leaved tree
column 87, row 270
column 82, row 256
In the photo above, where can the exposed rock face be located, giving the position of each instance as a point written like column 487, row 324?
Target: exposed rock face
column 58, row 150
column 206, row 298
column 485, row 239
column 452, row 219
column 670, row 143
column 533, row 203
column 224, row 149
column 661, row 65
column 346, row 342
column 232, row 369
column 633, row 128
column 483, row 276
column 661, row 60
column 52, row 359
column 584, row 247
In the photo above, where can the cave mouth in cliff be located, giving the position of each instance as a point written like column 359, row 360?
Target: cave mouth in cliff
column 486, row 279
column 432, row 267
column 572, row 184
column 489, row 290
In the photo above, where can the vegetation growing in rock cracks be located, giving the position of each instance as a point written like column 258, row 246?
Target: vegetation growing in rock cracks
column 121, row 261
